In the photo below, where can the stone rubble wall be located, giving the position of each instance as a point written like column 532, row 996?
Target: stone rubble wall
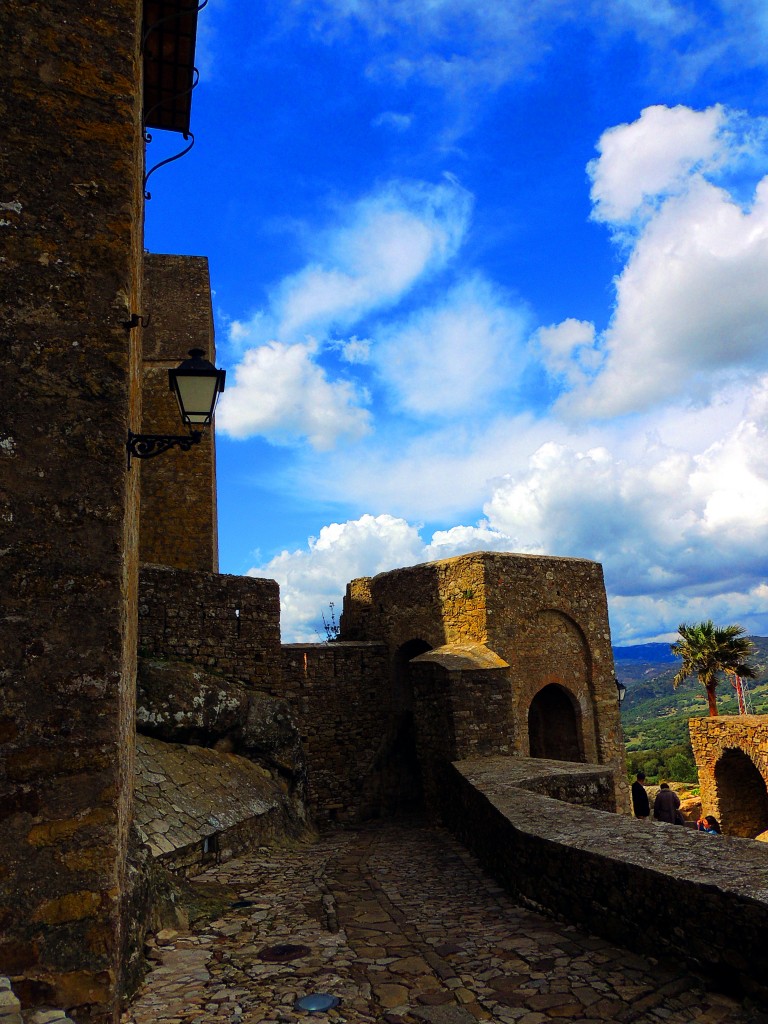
column 655, row 888
column 340, row 695
column 226, row 624
column 11, row 1013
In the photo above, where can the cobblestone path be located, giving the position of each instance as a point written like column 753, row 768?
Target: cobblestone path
column 403, row 926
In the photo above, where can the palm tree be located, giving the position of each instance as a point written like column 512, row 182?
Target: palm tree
column 707, row 650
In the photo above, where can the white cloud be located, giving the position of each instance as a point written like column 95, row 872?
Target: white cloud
column 445, row 360
column 382, row 246
column 391, row 119
column 666, row 520
column 467, row 46
column 281, row 393
column 309, row 579
column 568, row 350
column 642, row 162
column 691, row 307
column 386, row 242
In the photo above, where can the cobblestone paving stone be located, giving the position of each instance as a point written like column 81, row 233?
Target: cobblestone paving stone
column 404, row 927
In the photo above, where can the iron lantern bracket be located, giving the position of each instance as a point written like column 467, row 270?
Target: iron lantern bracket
column 147, row 446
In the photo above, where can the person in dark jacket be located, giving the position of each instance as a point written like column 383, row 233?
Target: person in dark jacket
column 640, row 804
column 666, row 805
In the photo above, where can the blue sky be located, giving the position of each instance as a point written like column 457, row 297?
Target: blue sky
column 486, row 275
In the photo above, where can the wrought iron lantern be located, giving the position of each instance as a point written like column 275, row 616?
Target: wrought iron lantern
column 197, row 384
column 621, row 688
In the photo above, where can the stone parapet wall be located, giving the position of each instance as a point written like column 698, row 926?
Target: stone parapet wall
column 225, row 624
column 438, row 602
column 339, row 693
column 656, row 888
column 731, row 754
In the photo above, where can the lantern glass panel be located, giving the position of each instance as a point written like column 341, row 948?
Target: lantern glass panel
column 196, row 395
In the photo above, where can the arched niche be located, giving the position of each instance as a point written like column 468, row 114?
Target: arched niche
column 742, row 795
column 554, row 725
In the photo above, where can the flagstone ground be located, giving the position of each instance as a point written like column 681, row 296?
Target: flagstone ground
column 401, row 924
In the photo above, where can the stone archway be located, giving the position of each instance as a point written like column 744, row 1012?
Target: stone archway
column 554, row 725
column 742, row 795
column 731, row 753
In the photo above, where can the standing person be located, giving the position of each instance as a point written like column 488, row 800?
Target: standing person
column 666, row 804
column 640, row 803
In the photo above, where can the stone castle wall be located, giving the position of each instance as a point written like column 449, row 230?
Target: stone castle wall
column 71, row 166
column 547, row 618
column 339, row 694
column 178, row 489
column 225, row 624
column 731, row 753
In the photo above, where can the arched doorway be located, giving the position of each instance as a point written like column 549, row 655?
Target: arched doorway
column 395, row 783
column 553, row 725
column 742, row 795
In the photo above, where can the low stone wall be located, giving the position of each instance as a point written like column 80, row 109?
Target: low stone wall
column 229, row 624
column 195, row 806
column 655, row 888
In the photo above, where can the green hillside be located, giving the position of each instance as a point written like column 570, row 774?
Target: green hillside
column 655, row 715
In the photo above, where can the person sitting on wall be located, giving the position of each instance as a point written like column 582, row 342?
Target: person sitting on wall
column 666, row 805
column 709, row 824
column 641, row 806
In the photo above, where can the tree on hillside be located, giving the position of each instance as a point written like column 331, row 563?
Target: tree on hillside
column 707, row 651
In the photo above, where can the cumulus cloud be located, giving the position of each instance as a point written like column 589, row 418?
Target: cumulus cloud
column 663, row 519
column 691, row 307
column 376, row 252
column 385, row 243
column 568, row 350
column 280, row 392
column 643, row 162
column 446, row 359
column 311, row 578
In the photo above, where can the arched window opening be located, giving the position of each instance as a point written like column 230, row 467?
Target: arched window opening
column 742, row 795
column 553, row 725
